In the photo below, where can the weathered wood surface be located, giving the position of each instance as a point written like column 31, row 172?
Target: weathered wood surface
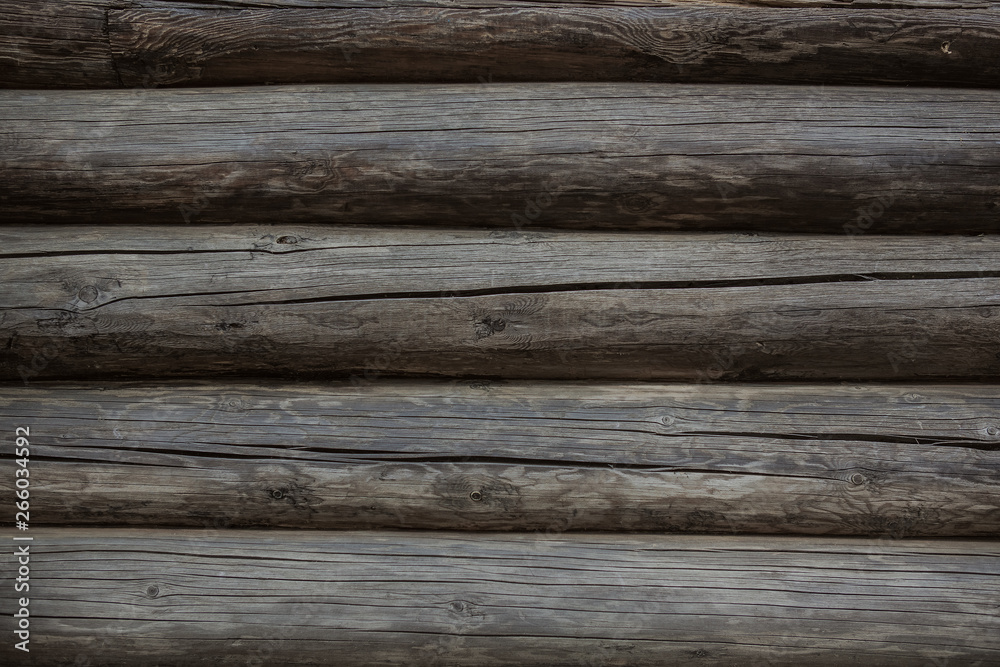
column 539, row 42
column 314, row 301
column 113, row 43
column 509, row 155
column 891, row 460
column 135, row 597
column 316, row 4
column 59, row 44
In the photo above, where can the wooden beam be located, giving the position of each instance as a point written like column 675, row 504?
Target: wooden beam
column 148, row 43
column 704, row 42
column 315, row 301
column 890, row 460
column 297, row 598
column 631, row 156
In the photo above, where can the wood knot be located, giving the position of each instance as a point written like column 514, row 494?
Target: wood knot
column 313, row 175
column 636, row 203
column 152, row 591
column 489, row 325
column 464, row 608
column 88, row 294
column 232, row 404
column 295, row 494
column 484, row 493
column 287, row 239
column 857, row 479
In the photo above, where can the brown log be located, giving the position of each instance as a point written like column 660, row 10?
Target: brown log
column 838, row 160
column 197, row 598
column 885, row 460
column 315, row 301
column 705, row 42
column 148, row 43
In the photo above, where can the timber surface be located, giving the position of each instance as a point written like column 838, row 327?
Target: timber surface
column 316, row 301
column 196, row 597
column 546, row 42
column 629, row 156
column 148, row 43
column 892, row 461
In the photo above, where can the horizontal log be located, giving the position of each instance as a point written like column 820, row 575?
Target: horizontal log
column 141, row 597
column 890, row 460
column 313, row 4
column 110, row 43
column 509, row 155
column 313, row 301
column 536, row 42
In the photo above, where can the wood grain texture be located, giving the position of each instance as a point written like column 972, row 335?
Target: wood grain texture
column 113, row 43
column 116, row 43
column 791, row 4
column 892, row 460
column 139, row 597
column 539, row 42
column 510, row 156
column 56, row 44
column 149, row 43
column 315, row 301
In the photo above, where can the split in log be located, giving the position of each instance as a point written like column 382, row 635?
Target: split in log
column 783, row 158
column 201, row 598
column 323, row 302
column 110, row 43
column 890, row 461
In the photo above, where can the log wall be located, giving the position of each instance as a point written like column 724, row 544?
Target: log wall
column 500, row 332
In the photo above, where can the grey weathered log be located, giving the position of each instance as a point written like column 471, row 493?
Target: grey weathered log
column 890, row 460
column 509, row 155
column 316, row 301
column 204, row 598
column 111, row 43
